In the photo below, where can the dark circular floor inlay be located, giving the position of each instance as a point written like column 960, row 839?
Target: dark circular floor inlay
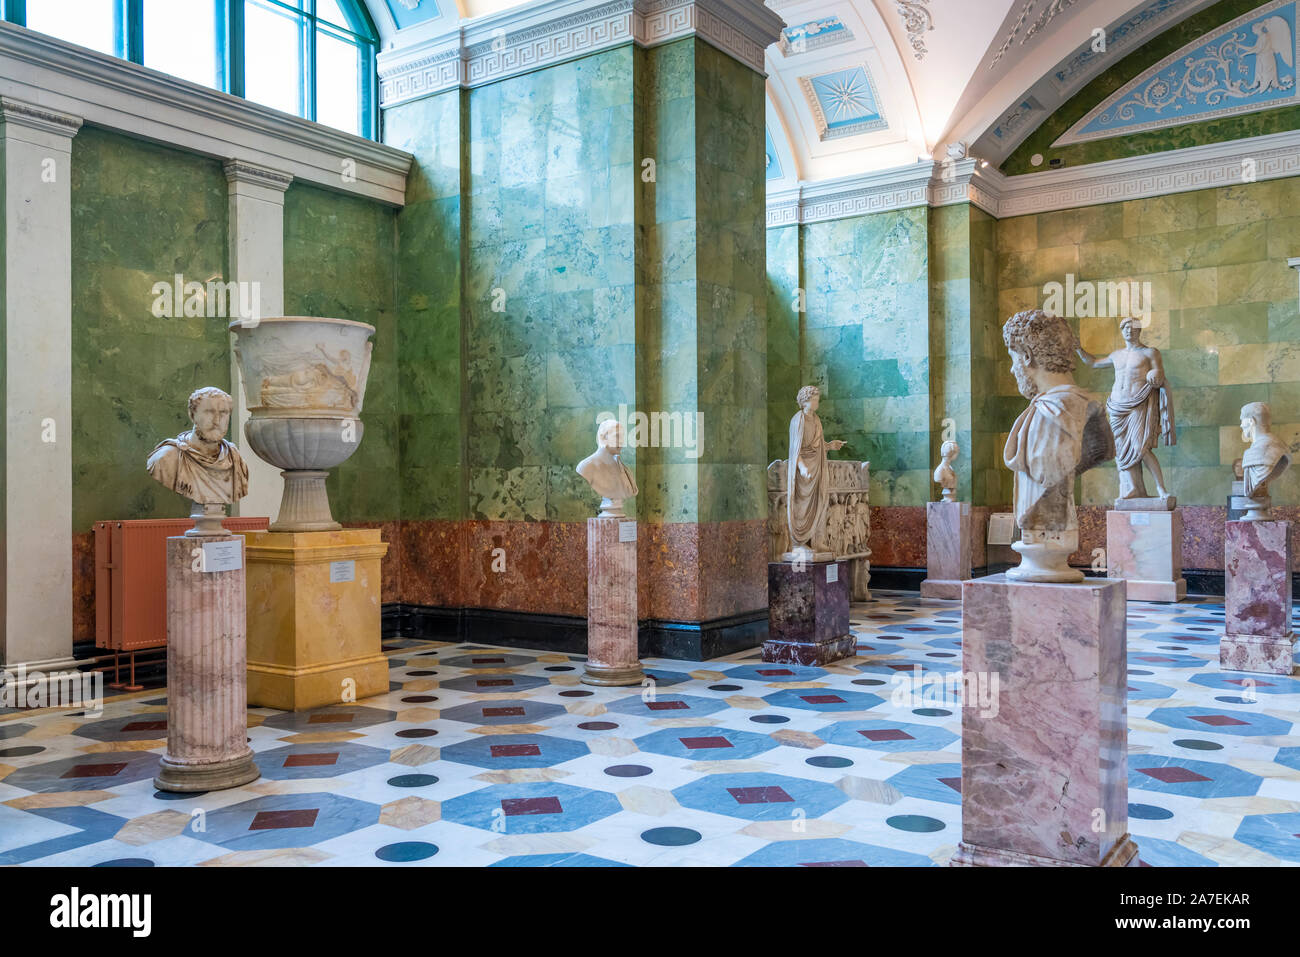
column 940, row 654
column 406, row 851
column 598, row 725
column 1196, row 744
column 176, row 795
column 1232, row 699
column 21, row 752
column 421, row 674
column 1171, row 647
column 931, row 712
column 417, row 733
column 769, row 719
column 724, row 687
column 1136, row 671
column 575, row 694
column 917, row 823
column 670, row 836
column 828, row 761
column 628, row 771
column 868, row 681
column 1149, row 812
column 560, row 668
column 420, row 698
column 1195, row 628
column 126, row 862
column 424, row 654
column 887, row 638
column 157, row 701
column 413, row 780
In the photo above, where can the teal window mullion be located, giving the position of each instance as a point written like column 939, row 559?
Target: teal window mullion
column 16, row 11
column 235, row 47
column 307, row 94
column 129, row 30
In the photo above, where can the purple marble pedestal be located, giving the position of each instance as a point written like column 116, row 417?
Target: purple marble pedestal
column 1044, row 761
column 947, row 549
column 1257, row 625
column 808, row 613
column 1145, row 548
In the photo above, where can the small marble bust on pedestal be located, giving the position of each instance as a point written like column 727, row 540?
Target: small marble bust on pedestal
column 1062, row 434
column 207, row 652
column 1257, row 559
column 611, row 566
column 201, row 464
column 808, row 590
column 947, row 533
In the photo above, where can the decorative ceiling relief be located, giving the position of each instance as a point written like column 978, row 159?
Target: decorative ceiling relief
column 1016, row 118
column 843, row 103
column 1047, row 11
column 773, row 163
column 1245, row 66
column 1150, row 19
column 917, row 21
column 814, row 35
column 407, row 13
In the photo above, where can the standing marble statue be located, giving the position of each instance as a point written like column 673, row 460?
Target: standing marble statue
column 605, row 472
column 1062, row 434
column 1264, row 462
column 207, row 649
column 1141, row 412
column 808, row 480
column 944, row 476
column 202, row 464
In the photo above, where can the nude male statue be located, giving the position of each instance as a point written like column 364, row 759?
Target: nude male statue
column 1140, row 410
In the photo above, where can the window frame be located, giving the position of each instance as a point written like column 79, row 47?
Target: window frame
column 130, row 39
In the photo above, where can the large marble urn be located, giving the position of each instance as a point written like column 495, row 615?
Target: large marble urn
column 304, row 381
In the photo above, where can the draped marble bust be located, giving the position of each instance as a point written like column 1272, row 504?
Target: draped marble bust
column 201, row 464
column 1061, row 434
column 605, row 472
column 1265, row 461
column 944, row 475
column 808, row 481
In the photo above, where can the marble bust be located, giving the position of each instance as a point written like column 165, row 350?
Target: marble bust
column 1265, row 460
column 605, row 472
column 1141, row 413
column 944, row 476
column 201, row 464
column 1061, row 434
column 808, row 481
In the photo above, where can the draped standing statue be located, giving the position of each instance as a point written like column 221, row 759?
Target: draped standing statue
column 1141, row 412
column 807, row 480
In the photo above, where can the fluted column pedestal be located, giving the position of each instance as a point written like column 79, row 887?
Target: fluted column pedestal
column 611, row 603
column 207, row 717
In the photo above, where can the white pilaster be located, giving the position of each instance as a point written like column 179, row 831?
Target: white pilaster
column 256, row 237
column 38, row 384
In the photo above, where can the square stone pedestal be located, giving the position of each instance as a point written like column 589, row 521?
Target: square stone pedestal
column 611, row 603
column 313, row 618
column 808, row 613
column 947, row 549
column 1258, row 636
column 1145, row 548
column 1044, row 760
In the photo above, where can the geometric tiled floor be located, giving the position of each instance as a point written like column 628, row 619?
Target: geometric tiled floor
column 497, row 756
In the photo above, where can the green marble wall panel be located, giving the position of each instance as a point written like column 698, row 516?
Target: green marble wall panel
column 1224, row 308
column 550, row 281
column 140, row 214
column 867, row 345
column 1152, row 141
column 339, row 261
column 431, row 430
column 785, row 297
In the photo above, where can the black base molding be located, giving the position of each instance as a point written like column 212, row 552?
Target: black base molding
column 656, row 638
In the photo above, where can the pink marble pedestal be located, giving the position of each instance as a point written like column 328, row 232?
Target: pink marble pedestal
column 1044, row 762
column 1145, row 548
column 207, row 715
column 1257, row 624
column 611, row 603
column 947, row 549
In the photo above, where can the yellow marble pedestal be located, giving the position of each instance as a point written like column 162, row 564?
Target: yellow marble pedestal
column 313, row 618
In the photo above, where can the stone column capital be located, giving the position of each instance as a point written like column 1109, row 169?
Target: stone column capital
column 21, row 114
column 243, row 172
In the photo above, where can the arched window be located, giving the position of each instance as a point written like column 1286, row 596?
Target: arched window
column 313, row 58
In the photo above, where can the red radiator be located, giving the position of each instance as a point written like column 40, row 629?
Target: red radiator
column 131, row 578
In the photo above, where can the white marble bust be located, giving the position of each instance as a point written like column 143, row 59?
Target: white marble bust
column 605, row 472
column 1266, row 459
column 201, row 464
column 944, row 476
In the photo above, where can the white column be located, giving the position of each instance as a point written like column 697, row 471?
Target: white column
column 37, row 322
column 256, row 256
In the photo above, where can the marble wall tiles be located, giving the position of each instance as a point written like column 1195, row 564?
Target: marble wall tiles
column 1224, row 313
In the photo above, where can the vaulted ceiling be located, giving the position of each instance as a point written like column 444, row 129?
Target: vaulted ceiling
column 856, row 86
